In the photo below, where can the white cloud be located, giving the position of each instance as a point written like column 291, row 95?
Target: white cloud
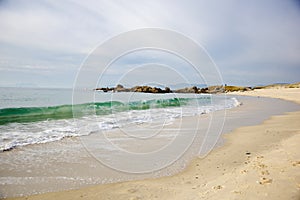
column 237, row 34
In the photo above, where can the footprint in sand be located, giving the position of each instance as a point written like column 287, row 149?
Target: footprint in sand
column 265, row 180
column 266, row 172
column 218, row 187
column 296, row 163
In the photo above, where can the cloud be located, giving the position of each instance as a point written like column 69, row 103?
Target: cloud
column 241, row 36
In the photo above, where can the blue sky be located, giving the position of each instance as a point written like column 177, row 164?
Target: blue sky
column 43, row 43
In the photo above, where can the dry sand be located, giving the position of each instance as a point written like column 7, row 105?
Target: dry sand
column 290, row 94
column 257, row 162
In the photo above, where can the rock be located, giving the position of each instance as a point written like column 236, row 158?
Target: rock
column 119, row 86
column 203, row 90
column 167, row 90
column 148, row 89
column 215, row 89
column 104, row 89
column 185, row 90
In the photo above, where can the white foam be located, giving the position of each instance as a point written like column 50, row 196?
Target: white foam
column 16, row 134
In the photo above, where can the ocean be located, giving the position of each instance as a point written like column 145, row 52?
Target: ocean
column 38, row 115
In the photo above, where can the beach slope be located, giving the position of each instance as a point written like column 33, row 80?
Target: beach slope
column 256, row 162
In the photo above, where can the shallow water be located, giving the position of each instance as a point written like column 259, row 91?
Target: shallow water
column 33, row 116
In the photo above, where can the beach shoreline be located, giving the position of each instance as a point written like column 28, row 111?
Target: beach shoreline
column 256, row 162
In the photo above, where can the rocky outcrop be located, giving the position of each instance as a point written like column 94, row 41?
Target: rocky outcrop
column 193, row 89
column 148, row 89
column 236, row 88
column 215, row 89
column 145, row 89
column 210, row 90
column 120, row 88
column 107, row 89
column 186, row 90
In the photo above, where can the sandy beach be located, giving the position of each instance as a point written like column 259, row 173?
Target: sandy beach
column 146, row 100
column 256, row 162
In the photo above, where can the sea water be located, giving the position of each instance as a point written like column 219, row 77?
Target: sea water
column 38, row 115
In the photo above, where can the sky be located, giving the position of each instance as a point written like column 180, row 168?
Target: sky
column 43, row 43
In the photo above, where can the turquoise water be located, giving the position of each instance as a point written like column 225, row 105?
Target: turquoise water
column 29, row 116
column 34, row 114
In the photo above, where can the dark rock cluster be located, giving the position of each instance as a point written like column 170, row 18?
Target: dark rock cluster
column 194, row 89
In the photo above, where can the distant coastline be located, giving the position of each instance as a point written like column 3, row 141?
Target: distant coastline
column 194, row 89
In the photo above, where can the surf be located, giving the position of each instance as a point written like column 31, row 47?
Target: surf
column 35, row 114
